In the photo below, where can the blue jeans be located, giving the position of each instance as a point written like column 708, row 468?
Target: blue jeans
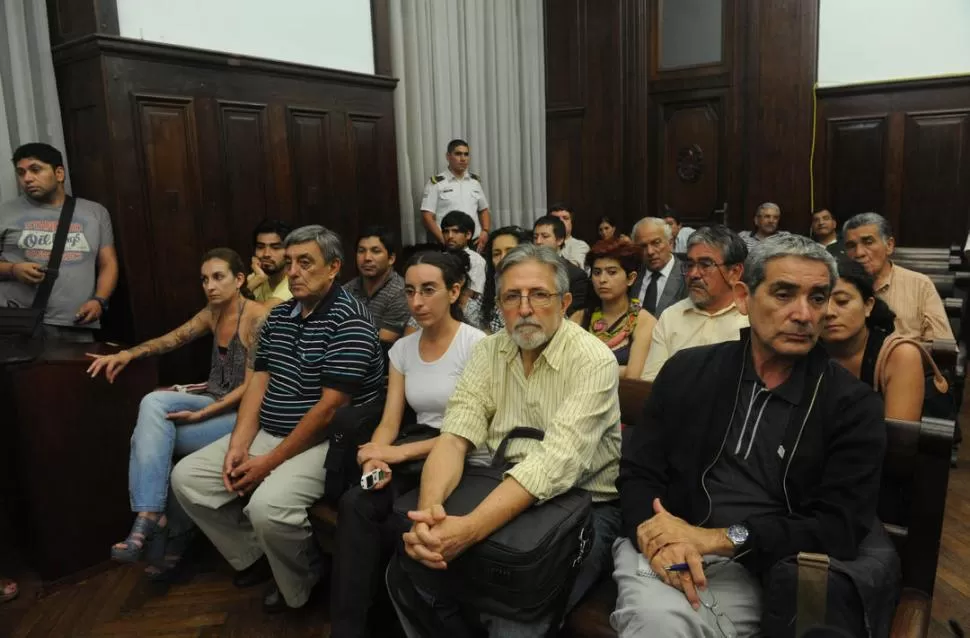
column 156, row 440
column 607, row 521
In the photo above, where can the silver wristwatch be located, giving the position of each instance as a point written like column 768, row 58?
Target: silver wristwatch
column 738, row 535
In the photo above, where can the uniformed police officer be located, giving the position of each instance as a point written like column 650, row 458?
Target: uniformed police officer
column 455, row 189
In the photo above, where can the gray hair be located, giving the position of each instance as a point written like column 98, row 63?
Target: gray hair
column 329, row 242
column 655, row 221
column 720, row 237
column 870, row 219
column 787, row 245
column 541, row 254
column 769, row 205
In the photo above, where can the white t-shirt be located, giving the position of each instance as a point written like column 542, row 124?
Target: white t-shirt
column 476, row 274
column 429, row 385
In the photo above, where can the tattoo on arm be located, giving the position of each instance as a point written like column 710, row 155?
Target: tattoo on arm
column 187, row 332
column 255, row 328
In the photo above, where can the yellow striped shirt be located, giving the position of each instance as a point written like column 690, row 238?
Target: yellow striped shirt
column 571, row 395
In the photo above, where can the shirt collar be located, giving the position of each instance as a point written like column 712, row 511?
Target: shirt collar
column 387, row 280
column 666, row 270
column 792, row 388
column 454, row 178
column 690, row 307
column 322, row 307
column 889, row 279
column 552, row 353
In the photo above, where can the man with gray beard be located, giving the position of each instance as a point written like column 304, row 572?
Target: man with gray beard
column 542, row 372
column 715, row 262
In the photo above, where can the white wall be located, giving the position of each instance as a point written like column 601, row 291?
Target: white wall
column 880, row 40
column 326, row 33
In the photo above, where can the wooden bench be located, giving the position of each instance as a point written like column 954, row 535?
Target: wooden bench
column 917, row 456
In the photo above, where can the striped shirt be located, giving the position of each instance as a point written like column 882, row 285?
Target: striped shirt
column 335, row 347
column 571, row 394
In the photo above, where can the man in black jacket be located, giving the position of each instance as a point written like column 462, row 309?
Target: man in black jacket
column 551, row 231
column 748, row 453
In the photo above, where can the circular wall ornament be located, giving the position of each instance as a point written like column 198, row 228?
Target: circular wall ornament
column 690, row 163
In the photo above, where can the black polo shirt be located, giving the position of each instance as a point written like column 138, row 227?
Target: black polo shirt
column 747, row 478
column 335, row 347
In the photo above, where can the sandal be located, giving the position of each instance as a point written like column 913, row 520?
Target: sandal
column 163, row 567
column 8, row 590
column 142, row 533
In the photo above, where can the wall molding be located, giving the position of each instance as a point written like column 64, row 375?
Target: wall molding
column 920, row 84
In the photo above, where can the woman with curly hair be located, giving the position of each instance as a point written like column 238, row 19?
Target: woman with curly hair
column 610, row 313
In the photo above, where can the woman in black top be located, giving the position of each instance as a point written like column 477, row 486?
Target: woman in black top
column 857, row 325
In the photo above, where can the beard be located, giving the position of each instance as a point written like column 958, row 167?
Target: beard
column 530, row 339
column 41, row 195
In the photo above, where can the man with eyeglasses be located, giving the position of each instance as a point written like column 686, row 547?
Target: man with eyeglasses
column 541, row 371
column 715, row 263
column 660, row 282
column 749, row 453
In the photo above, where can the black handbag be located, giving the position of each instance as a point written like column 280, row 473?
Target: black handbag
column 526, row 569
column 21, row 335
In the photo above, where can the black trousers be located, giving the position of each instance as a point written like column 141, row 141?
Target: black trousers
column 366, row 537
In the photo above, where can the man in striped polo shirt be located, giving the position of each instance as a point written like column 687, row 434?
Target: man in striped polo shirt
column 317, row 353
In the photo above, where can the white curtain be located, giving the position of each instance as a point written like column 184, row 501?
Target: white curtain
column 29, row 110
column 471, row 69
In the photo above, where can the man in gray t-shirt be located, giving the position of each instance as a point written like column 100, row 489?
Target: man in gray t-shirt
column 89, row 267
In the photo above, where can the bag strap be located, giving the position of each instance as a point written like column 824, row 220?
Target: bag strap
column 520, row 432
column 813, row 580
column 881, row 374
column 57, row 251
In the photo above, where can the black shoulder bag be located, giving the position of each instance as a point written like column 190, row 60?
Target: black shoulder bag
column 524, row 570
column 21, row 336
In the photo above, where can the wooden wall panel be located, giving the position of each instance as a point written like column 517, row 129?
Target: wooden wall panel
column 781, row 37
column 936, row 177
column 595, row 100
column 190, row 149
column 72, row 19
column 691, row 134
column 856, row 174
column 899, row 149
column 246, row 161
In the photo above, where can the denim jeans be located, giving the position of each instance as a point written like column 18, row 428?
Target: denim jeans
column 156, row 440
column 607, row 521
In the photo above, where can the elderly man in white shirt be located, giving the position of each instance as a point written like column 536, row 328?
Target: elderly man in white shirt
column 715, row 263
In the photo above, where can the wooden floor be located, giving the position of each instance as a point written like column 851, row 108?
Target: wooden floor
column 120, row 602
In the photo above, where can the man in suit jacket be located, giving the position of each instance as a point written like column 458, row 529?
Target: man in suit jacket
column 660, row 282
column 550, row 231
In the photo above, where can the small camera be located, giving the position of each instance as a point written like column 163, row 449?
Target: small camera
column 372, row 478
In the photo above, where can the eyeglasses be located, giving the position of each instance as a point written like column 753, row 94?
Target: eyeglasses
column 703, row 265
column 537, row 299
column 425, row 292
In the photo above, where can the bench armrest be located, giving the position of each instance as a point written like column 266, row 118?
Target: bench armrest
column 912, row 617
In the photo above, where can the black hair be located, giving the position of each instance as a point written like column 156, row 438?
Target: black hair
column 39, row 151
column 455, row 143
column 235, row 263
column 488, row 295
column 671, row 213
column 558, row 228
column 558, row 206
column 268, row 226
column 460, row 219
column 824, row 209
column 454, row 265
column 384, row 234
column 881, row 318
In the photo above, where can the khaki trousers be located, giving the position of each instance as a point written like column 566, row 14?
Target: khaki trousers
column 274, row 523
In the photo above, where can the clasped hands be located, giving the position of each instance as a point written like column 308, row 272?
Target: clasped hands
column 436, row 538
column 666, row 540
column 242, row 473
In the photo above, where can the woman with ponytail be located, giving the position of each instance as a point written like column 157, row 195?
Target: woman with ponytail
column 424, row 368
column 181, row 420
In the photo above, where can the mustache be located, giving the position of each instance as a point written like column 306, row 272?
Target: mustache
column 522, row 323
